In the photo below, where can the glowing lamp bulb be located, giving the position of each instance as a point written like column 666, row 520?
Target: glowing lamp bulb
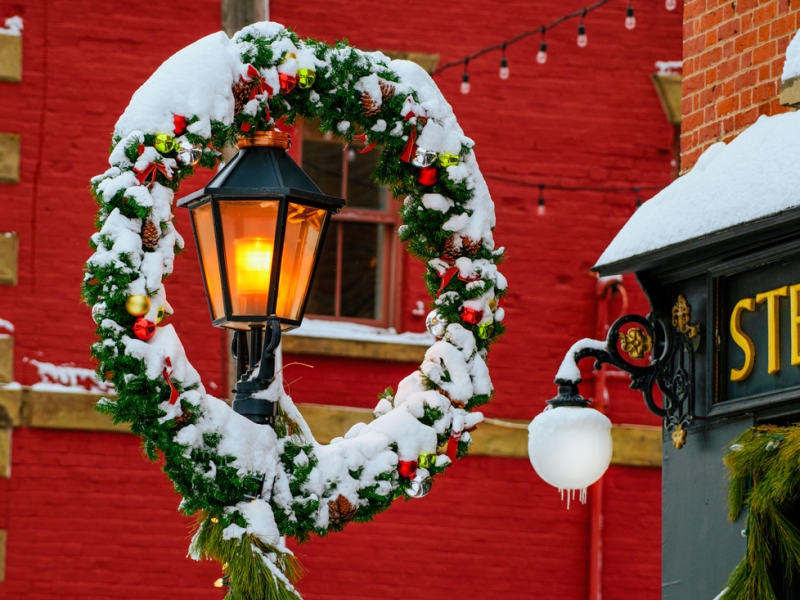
column 630, row 20
column 504, row 73
column 570, row 447
column 541, row 56
column 253, row 265
column 582, row 39
column 465, row 83
column 671, row 4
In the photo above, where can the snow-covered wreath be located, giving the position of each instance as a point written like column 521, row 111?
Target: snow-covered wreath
column 251, row 485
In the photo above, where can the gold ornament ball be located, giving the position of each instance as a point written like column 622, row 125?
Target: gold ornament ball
column 492, row 304
column 306, row 78
column 164, row 143
column 161, row 314
column 137, row 305
column 448, row 160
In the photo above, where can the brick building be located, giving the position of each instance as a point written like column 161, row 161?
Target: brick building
column 84, row 516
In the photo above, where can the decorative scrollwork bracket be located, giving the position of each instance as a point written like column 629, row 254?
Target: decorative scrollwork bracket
column 671, row 349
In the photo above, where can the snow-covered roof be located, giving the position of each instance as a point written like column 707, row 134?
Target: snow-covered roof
column 756, row 175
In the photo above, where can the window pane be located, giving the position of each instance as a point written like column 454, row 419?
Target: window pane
column 206, row 244
column 362, row 270
column 322, row 299
column 322, row 161
column 362, row 191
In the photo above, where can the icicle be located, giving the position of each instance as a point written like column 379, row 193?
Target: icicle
column 583, row 495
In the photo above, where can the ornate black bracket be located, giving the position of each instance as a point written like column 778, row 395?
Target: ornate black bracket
column 671, row 367
column 250, row 381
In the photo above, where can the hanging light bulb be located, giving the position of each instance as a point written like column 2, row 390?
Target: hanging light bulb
column 504, row 64
column 582, row 39
column 465, row 78
column 671, row 4
column 541, row 57
column 630, row 20
column 540, row 210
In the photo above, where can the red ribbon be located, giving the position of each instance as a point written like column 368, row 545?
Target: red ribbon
column 363, row 138
column 448, row 275
column 173, row 394
column 180, row 124
column 452, row 443
column 411, row 145
column 151, row 170
column 407, row 468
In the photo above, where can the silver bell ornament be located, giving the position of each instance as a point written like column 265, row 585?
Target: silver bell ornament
column 420, row 485
column 190, row 156
column 423, row 158
column 435, row 324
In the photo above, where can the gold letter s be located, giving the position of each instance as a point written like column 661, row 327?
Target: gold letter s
column 742, row 340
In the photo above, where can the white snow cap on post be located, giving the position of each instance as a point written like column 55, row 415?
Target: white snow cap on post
column 752, row 177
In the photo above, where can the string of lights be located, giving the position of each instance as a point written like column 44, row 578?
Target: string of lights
column 541, row 57
column 636, row 189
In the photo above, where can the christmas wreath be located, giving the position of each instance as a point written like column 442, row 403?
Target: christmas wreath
column 765, row 479
column 251, row 485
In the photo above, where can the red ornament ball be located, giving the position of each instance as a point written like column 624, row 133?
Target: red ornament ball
column 180, row 124
column 287, row 82
column 144, row 329
column 428, row 176
column 407, row 468
column 471, row 316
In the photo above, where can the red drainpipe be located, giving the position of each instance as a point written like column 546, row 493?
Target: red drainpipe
column 607, row 288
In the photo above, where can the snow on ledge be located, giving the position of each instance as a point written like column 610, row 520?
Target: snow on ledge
column 752, row 177
column 13, row 26
column 791, row 66
column 342, row 330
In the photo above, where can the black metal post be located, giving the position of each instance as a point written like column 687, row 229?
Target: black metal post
column 258, row 410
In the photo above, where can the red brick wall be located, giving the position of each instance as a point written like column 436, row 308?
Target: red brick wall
column 88, row 517
column 733, row 55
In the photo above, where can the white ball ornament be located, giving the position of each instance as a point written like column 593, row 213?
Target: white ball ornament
column 570, row 447
column 435, row 324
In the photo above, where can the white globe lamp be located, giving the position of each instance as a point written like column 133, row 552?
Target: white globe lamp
column 569, row 444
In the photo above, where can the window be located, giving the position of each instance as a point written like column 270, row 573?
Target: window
column 354, row 277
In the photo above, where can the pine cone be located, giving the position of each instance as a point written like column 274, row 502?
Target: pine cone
column 346, row 509
column 150, row 235
column 241, row 96
column 451, row 251
column 334, row 518
column 184, row 417
column 371, row 108
column 470, row 246
column 453, row 403
column 387, row 90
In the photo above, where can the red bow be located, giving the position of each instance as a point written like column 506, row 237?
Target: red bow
column 363, row 138
column 259, row 85
column 173, row 394
column 152, row 170
column 448, row 276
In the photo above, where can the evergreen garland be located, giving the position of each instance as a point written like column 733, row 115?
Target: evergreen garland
column 765, row 479
column 212, row 483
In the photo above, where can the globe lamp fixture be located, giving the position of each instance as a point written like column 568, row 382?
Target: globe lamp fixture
column 259, row 226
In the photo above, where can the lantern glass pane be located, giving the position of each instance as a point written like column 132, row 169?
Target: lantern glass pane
column 203, row 223
column 301, row 240
column 248, row 229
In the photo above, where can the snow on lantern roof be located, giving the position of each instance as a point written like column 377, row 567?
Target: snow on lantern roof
column 755, row 176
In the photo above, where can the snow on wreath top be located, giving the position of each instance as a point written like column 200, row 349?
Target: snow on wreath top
column 252, row 485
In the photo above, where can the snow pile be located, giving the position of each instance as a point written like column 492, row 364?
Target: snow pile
column 340, row 330
column 13, row 26
column 7, row 325
column 569, row 370
column 791, row 67
column 67, row 378
column 752, row 177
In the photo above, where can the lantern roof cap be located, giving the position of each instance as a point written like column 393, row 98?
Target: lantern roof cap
column 736, row 191
column 260, row 171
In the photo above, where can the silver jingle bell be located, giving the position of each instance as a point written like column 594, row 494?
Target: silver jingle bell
column 435, row 324
column 421, row 484
column 423, row 158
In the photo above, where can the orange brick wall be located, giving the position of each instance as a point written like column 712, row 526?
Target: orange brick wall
column 733, row 55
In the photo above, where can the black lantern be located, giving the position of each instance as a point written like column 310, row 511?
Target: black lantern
column 259, row 226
